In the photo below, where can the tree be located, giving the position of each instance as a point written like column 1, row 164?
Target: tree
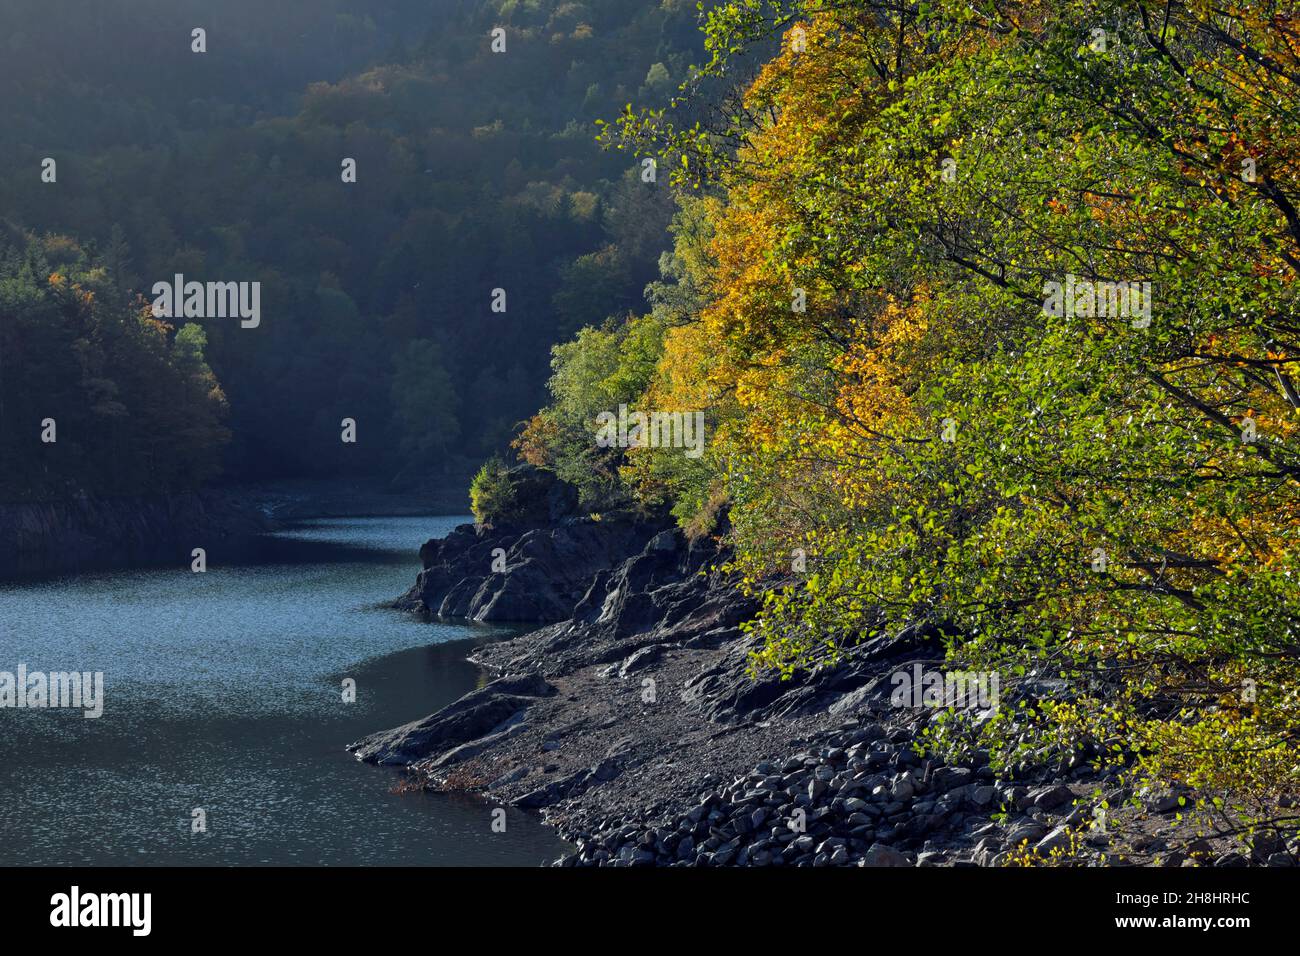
column 424, row 404
column 1001, row 333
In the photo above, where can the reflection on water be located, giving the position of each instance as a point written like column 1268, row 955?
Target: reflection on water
column 223, row 692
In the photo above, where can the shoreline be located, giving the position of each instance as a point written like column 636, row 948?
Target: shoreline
column 90, row 534
column 631, row 724
column 48, row 538
column 226, row 691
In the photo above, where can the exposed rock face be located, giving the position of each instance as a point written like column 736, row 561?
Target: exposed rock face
column 637, row 727
column 504, row 574
column 480, row 713
column 667, row 593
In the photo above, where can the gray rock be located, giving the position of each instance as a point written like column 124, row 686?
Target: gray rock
column 1029, row 830
column 475, row 715
column 880, row 855
column 1167, row 803
column 1051, row 797
column 950, row 778
column 1056, row 839
column 548, row 570
column 641, row 659
column 903, row 788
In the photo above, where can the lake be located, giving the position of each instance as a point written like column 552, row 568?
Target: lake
column 223, row 691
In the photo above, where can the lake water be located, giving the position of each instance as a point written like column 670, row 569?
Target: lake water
column 223, row 692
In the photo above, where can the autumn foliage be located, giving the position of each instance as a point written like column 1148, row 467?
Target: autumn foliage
column 1098, row 502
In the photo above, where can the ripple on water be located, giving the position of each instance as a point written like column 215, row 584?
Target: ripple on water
column 222, row 692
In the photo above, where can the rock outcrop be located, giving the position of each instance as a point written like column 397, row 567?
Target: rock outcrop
column 479, row 714
column 636, row 725
column 503, row 574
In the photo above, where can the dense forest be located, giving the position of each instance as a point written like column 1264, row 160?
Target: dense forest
column 475, row 170
column 990, row 309
column 986, row 307
column 116, row 399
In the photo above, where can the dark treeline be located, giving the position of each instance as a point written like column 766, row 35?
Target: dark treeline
column 475, row 171
column 115, row 400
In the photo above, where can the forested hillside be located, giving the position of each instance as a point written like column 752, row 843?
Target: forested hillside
column 991, row 309
column 116, row 400
column 475, row 171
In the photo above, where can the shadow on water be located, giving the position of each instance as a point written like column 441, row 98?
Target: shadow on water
column 303, row 541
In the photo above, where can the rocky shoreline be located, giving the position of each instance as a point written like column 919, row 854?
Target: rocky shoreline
column 633, row 724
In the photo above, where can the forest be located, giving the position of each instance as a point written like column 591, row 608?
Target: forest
column 987, row 306
column 473, row 171
column 990, row 307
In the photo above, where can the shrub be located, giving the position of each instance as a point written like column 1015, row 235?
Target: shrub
column 490, row 492
column 522, row 495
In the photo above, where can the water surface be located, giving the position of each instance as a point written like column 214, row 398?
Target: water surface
column 223, row 691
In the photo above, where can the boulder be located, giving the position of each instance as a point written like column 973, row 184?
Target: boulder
column 880, row 855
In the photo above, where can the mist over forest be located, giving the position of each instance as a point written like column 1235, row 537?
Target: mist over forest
column 474, row 172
